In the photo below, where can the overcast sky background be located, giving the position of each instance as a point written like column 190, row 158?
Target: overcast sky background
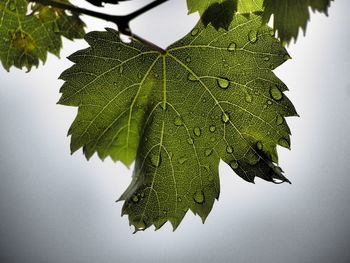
column 60, row 208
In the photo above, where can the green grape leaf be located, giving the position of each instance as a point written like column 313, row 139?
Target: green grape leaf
column 291, row 15
column 29, row 31
column 220, row 12
column 99, row 2
column 211, row 96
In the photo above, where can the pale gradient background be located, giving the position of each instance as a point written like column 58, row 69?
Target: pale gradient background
column 60, row 208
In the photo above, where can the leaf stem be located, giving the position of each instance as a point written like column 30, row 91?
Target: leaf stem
column 122, row 22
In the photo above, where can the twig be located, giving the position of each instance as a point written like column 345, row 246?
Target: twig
column 122, row 22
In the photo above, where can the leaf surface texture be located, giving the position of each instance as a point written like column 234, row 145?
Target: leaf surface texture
column 212, row 96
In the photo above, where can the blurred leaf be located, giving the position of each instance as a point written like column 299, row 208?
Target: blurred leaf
column 291, row 15
column 27, row 38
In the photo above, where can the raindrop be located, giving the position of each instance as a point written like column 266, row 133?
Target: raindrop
column 234, row 164
column 197, row 131
column 225, row 117
column 269, row 102
column 248, row 98
column 135, row 198
column 279, row 119
column 275, row 93
column 223, row 83
column 212, row 128
column 142, row 194
column 286, row 57
column 179, row 199
column 188, row 59
column 266, row 58
column 178, row 121
column 208, row 152
column 182, row 160
column 156, row 159
column 253, row 36
column 229, row 149
column 194, row 31
column 12, row 6
column 190, row 141
column 121, row 69
column 191, row 77
column 259, row 145
column 232, row 47
column 283, row 142
column 198, row 197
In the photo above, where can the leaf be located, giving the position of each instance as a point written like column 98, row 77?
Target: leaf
column 99, row 2
column 220, row 12
column 212, row 96
column 26, row 38
column 291, row 15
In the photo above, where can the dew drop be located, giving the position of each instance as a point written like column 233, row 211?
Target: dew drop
column 178, row 121
column 279, row 119
column 198, row 197
column 229, row 149
column 135, row 198
column 248, row 98
column 253, row 36
column 142, row 194
column 197, row 131
column 232, row 47
column 259, row 145
column 212, row 139
column 190, row 141
column 212, row 128
column 283, row 142
column 269, row 102
column 223, row 83
column 121, row 69
column 182, row 160
column 208, row 152
column 266, row 58
column 275, row 93
column 179, row 199
column 12, row 6
column 234, row 164
column 156, row 75
column 286, row 57
column 188, row 59
column 156, row 160
column 194, row 31
column 191, row 77
column 56, row 29
column 225, row 117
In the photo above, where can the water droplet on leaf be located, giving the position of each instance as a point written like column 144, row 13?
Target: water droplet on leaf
column 229, row 149
column 225, row 117
column 198, row 197
column 191, row 77
column 283, row 142
column 178, row 121
column 156, row 159
column 190, row 141
column 234, row 164
column 135, row 198
column 223, row 83
column 275, row 93
column 182, row 160
column 212, row 128
column 232, row 47
column 259, row 145
column 194, row 31
column 208, row 152
column 253, row 36
column 279, row 119
column 188, row 59
column 197, row 131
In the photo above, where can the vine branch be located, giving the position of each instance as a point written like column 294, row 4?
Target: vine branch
column 122, row 22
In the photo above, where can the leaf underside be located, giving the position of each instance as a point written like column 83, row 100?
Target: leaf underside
column 212, row 96
column 27, row 37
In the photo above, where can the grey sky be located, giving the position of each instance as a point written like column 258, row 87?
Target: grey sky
column 60, row 208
